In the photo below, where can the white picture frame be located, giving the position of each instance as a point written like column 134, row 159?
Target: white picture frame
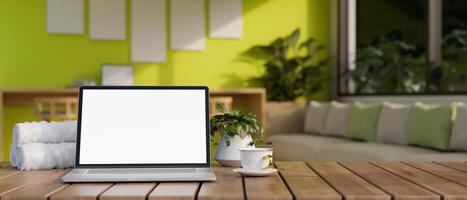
column 117, row 75
column 187, row 25
column 107, row 19
column 225, row 19
column 65, row 16
column 148, row 31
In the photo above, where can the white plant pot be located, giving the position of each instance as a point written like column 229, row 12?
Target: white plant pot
column 229, row 156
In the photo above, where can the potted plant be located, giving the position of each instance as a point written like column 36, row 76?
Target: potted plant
column 236, row 130
column 292, row 70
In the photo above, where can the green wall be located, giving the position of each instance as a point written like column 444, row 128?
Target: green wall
column 32, row 58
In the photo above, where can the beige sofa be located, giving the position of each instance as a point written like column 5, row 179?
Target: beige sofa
column 285, row 130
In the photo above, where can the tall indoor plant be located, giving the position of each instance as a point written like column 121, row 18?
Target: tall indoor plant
column 292, row 70
column 236, row 130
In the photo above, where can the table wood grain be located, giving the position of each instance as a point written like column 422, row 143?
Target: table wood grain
column 40, row 189
column 296, row 180
column 175, row 191
column 347, row 183
column 461, row 166
column 129, row 191
column 439, row 185
column 397, row 187
column 304, row 183
column 81, row 191
column 227, row 186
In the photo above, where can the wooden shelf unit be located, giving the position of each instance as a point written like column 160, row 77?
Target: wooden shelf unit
column 251, row 99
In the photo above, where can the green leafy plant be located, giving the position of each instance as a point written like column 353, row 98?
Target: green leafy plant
column 290, row 68
column 388, row 65
column 454, row 65
column 235, row 123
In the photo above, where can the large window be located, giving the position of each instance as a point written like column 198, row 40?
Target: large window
column 453, row 70
column 403, row 47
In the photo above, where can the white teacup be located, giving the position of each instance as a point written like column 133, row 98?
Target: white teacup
column 256, row 159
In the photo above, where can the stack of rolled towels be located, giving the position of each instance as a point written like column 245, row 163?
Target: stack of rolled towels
column 43, row 145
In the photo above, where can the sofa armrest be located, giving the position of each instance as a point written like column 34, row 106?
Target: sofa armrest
column 284, row 117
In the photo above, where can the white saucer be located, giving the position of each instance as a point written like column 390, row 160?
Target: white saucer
column 266, row 172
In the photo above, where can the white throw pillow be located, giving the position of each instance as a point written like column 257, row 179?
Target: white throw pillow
column 315, row 118
column 338, row 119
column 393, row 123
column 459, row 130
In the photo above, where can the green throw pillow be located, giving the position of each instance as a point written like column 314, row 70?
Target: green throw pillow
column 363, row 121
column 430, row 126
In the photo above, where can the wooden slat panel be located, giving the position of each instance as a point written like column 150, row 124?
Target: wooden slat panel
column 304, row 183
column 38, row 190
column 447, row 189
column 21, row 179
column 81, row 191
column 399, row 188
column 347, row 183
column 268, row 187
column 461, row 166
column 130, row 191
column 175, row 191
column 7, row 171
column 441, row 171
column 227, row 186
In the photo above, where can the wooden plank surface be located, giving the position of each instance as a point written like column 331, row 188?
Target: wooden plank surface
column 81, row 191
column 441, row 171
column 41, row 189
column 175, row 191
column 461, row 166
column 317, row 180
column 444, row 187
column 21, row 179
column 347, row 183
column 7, row 171
column 304, row 183
column 130, row 191
column 399, row 188
column 227, row 186
column 268, row 187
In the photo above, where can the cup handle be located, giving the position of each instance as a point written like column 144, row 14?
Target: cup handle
column 270, row 161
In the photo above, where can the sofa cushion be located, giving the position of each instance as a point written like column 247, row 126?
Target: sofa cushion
column 300, row 146
column 338, row 119
column 430, row 126
column 369, row 151
column 363, row 121
column 284, row 117
column 459, row 130
column 393, row 122
column 315, row 117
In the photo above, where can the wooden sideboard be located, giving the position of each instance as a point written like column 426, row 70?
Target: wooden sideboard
column 250, row 99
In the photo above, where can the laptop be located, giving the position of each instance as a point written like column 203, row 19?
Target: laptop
column 142, row 133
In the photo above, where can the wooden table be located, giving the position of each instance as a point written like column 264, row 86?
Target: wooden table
column 295, row 180
column 250, row 99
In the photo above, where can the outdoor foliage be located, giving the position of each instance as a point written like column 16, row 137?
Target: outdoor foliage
column 454, row 66
column 388, row 64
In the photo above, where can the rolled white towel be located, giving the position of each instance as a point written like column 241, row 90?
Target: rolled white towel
column 35, row 156
column 44, row 132
column 13, row 155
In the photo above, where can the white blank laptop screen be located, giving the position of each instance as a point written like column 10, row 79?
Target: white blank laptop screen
column 143, row 126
